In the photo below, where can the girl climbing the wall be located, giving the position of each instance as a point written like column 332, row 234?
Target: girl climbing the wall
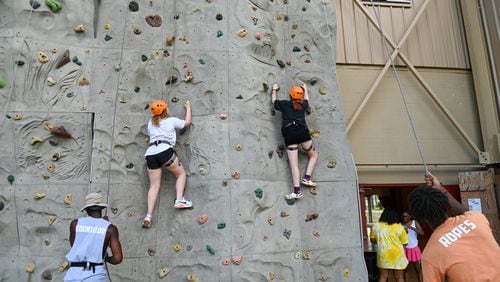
column 294, row 130
column 160, row 154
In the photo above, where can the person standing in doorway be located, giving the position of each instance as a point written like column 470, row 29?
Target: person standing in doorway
column 390, row 238
column 90, row 238
column 161, row 154
column 294, row 130
column 412, row 250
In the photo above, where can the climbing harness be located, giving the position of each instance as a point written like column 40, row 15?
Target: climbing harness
column 158, row 142
column 87, row 265
column 401, row 89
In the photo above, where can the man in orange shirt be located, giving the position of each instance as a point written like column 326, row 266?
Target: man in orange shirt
column 462, row 246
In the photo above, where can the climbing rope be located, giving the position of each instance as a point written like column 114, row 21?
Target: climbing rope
column 400, row 86
column 111, row 150
column 172, row 68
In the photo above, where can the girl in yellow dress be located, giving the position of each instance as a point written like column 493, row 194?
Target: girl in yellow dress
column 390, row 238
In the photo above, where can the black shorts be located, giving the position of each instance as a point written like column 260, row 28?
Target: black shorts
column 295, row 134
column 156, row 161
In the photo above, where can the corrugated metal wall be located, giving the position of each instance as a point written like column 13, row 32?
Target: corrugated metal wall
column 436, row 41
column 491, row 12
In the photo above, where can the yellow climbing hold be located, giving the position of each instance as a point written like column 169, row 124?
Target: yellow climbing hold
column 30, row 267
column 35, row 139
column 42, row 57
column 39, row 196
column 17, row 116
column 242, row 33
column 79, row 28
column 270, row 220
column 177, row 248
column 163, row 272
column 47, row 125
column 52, row 219
column 51, row 167
column 307, row 255
column 63, row 266
column 314, row 133
column 83, row 81
column 192, row 278
column 107, row 26
column 346, row 272
column 68, row 199
column 323, row 90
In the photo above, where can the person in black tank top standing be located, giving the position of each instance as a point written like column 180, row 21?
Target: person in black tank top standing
column 294, row 130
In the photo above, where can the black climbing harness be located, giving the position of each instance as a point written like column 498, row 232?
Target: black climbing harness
column 158, row 142
column 87, row 265
column 294, row 123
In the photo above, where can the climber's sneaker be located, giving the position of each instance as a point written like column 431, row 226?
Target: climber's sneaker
column 294, row 196
column 309, row 182
column 183, row 204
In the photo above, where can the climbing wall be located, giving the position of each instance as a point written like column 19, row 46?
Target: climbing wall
column 76, row 78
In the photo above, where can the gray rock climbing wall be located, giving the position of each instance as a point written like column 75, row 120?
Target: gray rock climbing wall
column 118, row 61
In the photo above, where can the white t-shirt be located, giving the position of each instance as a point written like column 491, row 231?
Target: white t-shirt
column 164, row 132
column 412, row 234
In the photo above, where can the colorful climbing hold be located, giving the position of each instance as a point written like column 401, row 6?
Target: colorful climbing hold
column 311, row 216
column 1, row 205
column 76, row 61
column 331, row 164
column 79, row 28
column 144, row 58
column 171, row 80
column 226, row 261
column 237, row 260
column 137, row 30
column 284, row 214
column 107, row 26
column 154, row 20
column 39, row 196
column 242, row 33
column 221, row 225
column 287, row 233
column 314, row 133
column 307, row 255
column 2, row 81
column 201, row 61
column 270, row 220
column 218, row 17
column 210, row 250
column 54, row 5
column 163, row 272
column 280, row 63
column 30, row 267
column 63, row 59
column 323, row 90
column 68, row 199
column 259, row 193
column 192, row 278
column 34, row 4
column 313, row 190
column 170, row 40
column 219, row 33
column 346, row 272
column 51, row 81
column 258, row 35
column 63, row 266
column 177, row 248
column 296, row 49
column 47, row 275
column 19, row 63
column 133, row 6
column 297, row 255
column 60, row 131
column 42, row 57
column 236, row 175
column 108, row 37
column 316, row 234
column 202, row 218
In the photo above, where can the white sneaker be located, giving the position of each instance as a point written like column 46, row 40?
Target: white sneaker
column 294, row 196
column 183, row 204
column 309, row 182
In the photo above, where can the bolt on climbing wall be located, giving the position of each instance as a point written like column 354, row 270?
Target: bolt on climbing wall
column 75, row 81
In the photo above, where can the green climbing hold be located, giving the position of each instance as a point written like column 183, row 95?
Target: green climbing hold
column 259, row 193
column 210, row 250
column 219, row 33
column 11, row 179
column 221, row 225
column 108, row 37
column 54, row 6
column 201, row 61
column 2, row 81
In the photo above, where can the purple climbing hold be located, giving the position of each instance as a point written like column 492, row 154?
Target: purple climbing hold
column 154, row 21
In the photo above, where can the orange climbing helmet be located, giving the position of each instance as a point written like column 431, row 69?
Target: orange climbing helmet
column 157, row 107
column 297, row 92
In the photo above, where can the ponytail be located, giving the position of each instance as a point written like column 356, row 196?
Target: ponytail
column 155, row 120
